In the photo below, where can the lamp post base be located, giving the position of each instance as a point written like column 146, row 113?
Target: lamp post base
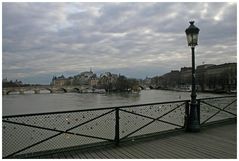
column 194, row 127
column 194, row 123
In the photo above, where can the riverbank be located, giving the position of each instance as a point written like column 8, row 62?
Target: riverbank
column 205, row 91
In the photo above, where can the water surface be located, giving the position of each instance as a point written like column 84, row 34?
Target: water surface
column 35, row 103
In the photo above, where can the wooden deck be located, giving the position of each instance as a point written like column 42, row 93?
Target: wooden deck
column 211, row 142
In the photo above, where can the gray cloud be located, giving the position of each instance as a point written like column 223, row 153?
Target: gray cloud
column 43, row 39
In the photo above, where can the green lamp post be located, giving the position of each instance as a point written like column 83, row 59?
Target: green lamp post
column 192, row 38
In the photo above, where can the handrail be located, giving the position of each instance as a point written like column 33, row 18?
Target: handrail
column 207, row 98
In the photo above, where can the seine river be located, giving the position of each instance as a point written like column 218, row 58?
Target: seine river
column 35, row 103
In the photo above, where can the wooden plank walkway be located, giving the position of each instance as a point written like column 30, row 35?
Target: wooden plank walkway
column 212, row 142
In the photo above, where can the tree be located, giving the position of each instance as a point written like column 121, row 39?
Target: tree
column 122, row 83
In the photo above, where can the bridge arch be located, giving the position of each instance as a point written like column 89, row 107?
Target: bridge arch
column 37, row 91
column 151, row 87
column 141, row 87
column 61, row 90
column 75, row 90
column 47, row 89
column 13, row 92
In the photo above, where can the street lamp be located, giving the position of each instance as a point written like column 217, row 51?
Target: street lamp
column 192, row 38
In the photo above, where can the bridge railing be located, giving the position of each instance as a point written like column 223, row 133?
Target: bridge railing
column 42, row 133
column 219, row 108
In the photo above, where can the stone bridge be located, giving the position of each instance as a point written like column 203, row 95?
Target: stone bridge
column 47, row 89
column 143, row 86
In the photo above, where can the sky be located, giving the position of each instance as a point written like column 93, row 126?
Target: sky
column 138, row 40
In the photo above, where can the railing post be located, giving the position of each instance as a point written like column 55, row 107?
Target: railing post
column 186, row 117
column 117, row 126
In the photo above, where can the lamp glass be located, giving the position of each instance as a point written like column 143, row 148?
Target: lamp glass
column 192, row 39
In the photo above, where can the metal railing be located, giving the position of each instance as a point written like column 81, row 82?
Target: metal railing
column 41, row 133
column 219, row 108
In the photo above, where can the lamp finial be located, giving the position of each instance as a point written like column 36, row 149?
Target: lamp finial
column 191, row 22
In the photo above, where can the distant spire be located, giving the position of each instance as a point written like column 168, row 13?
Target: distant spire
column 90, row 69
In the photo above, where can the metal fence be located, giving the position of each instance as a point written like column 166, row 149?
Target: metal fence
column 30, row 134
column 219, row 108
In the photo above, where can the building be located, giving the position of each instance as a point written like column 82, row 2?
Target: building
column 201, row 75
column 221, row 78
column 108, row 81
column 84, row 78
column 185, row 77
column 170, row 80
column 209, row 77
column 60, row 81
column 16, row 83
column 94, row 82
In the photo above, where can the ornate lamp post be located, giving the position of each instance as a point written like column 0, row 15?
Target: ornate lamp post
column 192, row 38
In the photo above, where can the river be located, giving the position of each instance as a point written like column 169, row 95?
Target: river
column 36, row 103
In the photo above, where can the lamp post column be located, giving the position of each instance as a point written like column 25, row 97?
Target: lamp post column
column 194, row 124
column 193, row 93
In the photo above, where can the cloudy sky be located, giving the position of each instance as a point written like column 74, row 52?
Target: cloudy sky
column 135, row 39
